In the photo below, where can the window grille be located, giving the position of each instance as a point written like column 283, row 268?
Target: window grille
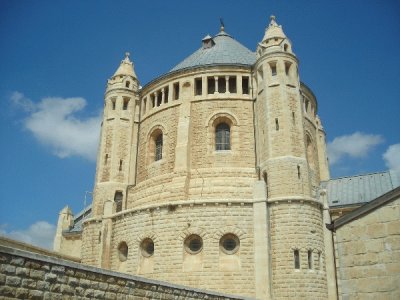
column 222, row 137
column 159, row 145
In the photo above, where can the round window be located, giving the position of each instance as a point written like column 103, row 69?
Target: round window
column 147, row 247
column 193, row 244
column 229, row 243
column 123, row 251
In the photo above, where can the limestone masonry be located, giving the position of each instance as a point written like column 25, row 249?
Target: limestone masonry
column 215, row 176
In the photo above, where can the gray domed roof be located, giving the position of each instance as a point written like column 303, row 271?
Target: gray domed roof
column 220, row 50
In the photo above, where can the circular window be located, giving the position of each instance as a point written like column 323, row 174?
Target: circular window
column 123, row 251
column 193, row 244
column 147, row 247
column 229, row 243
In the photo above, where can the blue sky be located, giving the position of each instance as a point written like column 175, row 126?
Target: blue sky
column 57, row 56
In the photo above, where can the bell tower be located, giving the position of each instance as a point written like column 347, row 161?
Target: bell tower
column 294, row 214
column 116, row 158
column 117, row 150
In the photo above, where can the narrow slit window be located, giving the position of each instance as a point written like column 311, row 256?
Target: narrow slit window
column 287, row 68
column 310, row 259
column 166, row 94
column 144, row 105
column 260, row 73
column 293, row 117
column 153, row 101
column 265, row 175
column 118, row 201
column 113, row 104
column 176, row 91
column 273, row 68
column 210, row 85
column 126, row 103
column 276, row 124
column 245, row 85
column 106, row 159
column 198, row 86
column 127, row 84
column 232, row 84
column 222, row 137
column 120, row 165
column 221, row 85
column 319, row 260
column 159, row 146
column 285, row 47
column 159, row 98
column 298, row 172
column 296, row 255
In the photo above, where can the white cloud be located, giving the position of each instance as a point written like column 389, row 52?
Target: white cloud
column 20, row 101
column 53, row 123
column 392, row 158
column 40, row 234
column 356, row 145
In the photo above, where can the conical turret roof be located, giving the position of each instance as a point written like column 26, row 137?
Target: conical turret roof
column 126, row 67
column 273, row 30
column 222, row 49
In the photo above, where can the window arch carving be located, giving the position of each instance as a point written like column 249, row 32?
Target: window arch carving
column 156, row 144
column 222, row 132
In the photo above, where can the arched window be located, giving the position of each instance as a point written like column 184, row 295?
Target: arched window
column 159, row 146
column 222, row 137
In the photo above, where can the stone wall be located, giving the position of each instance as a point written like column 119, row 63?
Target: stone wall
column 368, row 255
column 26, row 275
column 168, row 227
column 297, row 226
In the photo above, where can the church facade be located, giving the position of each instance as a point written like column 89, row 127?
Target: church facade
column 210, row 176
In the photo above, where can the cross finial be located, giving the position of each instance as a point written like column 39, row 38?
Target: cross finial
column 222, row 24
column 127, row 54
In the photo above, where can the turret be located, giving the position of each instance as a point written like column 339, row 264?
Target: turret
column 115, row 161
column 65, row 221
column 290, row 174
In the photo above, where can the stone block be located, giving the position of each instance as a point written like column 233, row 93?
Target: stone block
column 21, row 271
column 43, row 285
column 22, row 293
column 35, row 295
column 13, row 281
column 58, row 269
column 17, row 261
column 7, row 269
column 29, row 283
column 50, row 277
column 37, row 274
column 7, row 291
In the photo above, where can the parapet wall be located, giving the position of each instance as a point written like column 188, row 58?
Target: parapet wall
column 28, row 275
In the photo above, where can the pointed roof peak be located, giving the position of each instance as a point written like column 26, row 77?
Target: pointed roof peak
column 222, row 28
column 273, row 30
column 272, row 22
column 126, row 67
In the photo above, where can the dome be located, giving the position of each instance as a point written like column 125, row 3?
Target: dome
column 222, row 49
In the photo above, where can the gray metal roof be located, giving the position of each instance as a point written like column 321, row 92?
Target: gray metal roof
column 78, row 220
column 359, row 189
column 225, row 51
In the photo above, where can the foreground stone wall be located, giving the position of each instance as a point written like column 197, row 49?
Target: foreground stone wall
column 368, row 255
column 27, row 275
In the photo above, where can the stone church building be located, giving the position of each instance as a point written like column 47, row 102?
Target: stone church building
column 215, row 176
